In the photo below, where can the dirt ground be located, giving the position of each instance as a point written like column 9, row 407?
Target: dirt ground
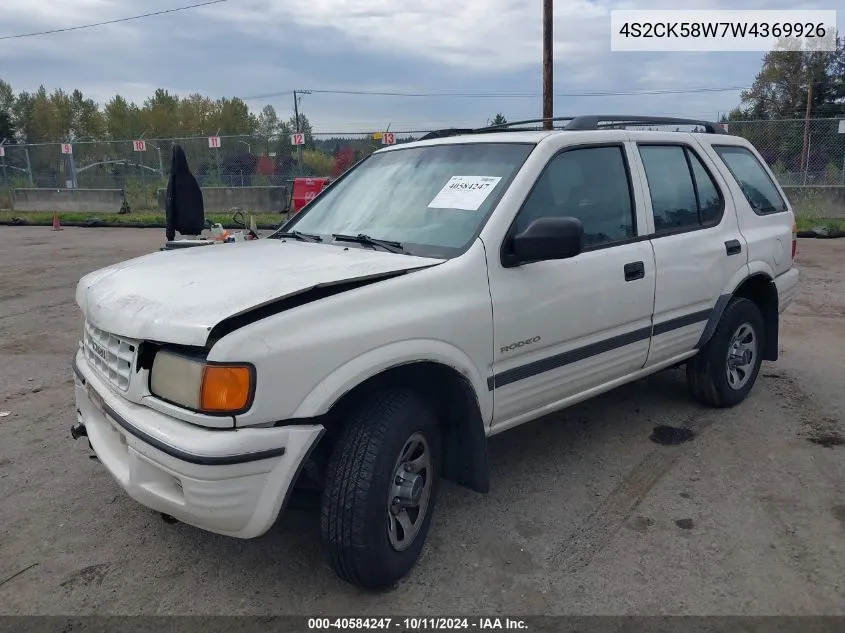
column 586, row 514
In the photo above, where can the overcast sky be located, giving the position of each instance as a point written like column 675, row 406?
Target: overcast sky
column 256, row 48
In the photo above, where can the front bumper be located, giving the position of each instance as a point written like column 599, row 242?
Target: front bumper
column 232, row 482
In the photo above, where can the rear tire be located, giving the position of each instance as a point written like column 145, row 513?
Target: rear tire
column 725, row 370
column 381, row 487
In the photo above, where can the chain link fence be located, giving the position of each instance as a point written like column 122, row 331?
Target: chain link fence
column 141, row 168
column 818, row 163
column 813, row 173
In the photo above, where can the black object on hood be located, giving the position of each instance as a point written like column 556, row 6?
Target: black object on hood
column 184, row 205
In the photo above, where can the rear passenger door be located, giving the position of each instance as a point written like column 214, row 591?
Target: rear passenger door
column 698, row 248
column 764, row 216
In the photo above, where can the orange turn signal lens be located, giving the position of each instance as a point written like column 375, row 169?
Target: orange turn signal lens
column 226, row 388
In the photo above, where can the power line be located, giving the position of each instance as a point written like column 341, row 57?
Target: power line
column 425, row 94
column 500, row 95
column 134, row 17
column 363, row 124
column 671, row 91
column 529, row 94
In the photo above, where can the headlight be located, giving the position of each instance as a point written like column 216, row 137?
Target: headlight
column 200, row 385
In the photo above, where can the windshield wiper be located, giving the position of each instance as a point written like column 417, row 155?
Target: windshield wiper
column 299, row 235
column 393, row 247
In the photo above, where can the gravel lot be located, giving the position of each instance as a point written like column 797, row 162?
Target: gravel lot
column 586, row 514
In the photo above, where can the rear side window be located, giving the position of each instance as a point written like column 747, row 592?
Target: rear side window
column 683, row 194
column 756, row 185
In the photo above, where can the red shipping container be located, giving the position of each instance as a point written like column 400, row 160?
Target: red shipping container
column 305, row 190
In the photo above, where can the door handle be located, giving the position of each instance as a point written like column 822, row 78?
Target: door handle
column 733, row 247
column 634, row 270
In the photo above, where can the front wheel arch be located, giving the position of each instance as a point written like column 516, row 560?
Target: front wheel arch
column 454, row 400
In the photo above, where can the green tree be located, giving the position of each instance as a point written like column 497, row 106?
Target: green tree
column 499, row 119
column 285, row 130
column 837, row 74
column 198, row 115
column 86, row 119
column 62, row 108
column 283, row 148
column 267, row 125
column 233, row 117
column 781, row 87
column 45, row 121
column 268, row 122
column 780, row 91
column 7, row 97
column 161, row 114
column 7, row 130
column 123, row 119
column 23, row 115
column 7, row 101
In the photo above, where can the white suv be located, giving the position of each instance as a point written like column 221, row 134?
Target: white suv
column 437, row 293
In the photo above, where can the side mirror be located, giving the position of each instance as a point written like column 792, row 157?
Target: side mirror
column 546, row 239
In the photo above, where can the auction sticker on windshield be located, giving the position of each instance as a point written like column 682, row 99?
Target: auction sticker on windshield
column 464, row 192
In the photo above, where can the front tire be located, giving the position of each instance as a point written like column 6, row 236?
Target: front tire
column 725, row 370
column 381, row 486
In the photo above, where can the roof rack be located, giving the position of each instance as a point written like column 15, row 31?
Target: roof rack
column 600, row 121
column 452, row 131
column 502, row 127
column 580, row 123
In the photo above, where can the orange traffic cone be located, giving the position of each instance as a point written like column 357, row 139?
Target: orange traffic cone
column 56, row 224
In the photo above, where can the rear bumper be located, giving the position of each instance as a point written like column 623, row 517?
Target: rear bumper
column 231, row 482
column 787, row 287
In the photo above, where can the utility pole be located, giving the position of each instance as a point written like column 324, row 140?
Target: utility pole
column 217, row 157
column 296, row 111
column 805, row 151
column 547, row 64
column 71, row 162
column 160, row 162
column 5, row 174
column 297, row 130
column 144, row 177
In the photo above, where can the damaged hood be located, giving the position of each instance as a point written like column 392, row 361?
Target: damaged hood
column 178, row 296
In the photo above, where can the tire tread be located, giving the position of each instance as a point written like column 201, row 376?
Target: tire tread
column 343, row 519
column 703, row 368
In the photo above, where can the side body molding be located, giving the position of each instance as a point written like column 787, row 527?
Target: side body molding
column 713, row 320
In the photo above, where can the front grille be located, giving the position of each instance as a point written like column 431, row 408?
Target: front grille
column 111, row 355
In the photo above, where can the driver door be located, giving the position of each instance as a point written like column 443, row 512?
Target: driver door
column 565, row 327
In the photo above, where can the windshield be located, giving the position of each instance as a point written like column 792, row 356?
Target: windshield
column 433, row 200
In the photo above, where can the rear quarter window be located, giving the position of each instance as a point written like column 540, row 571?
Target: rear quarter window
column 756, row 184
